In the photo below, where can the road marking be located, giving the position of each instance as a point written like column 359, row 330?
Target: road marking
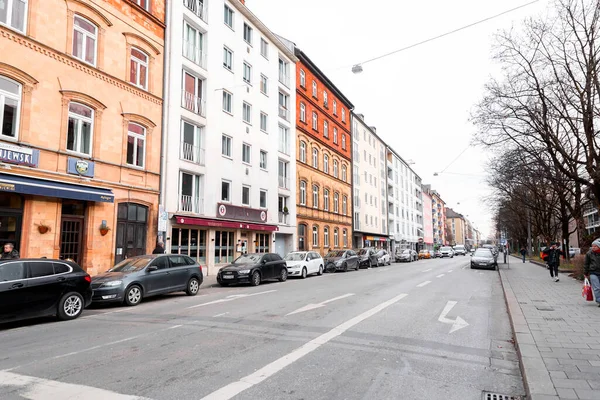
column 450, row 270
column 220, row 315
column 29, row 387
column 427, row 270
column 424, row 284
column 314, row 306
column 175, row 326
column 440, row 275
column 457, row 323
column 235, row 388
column 230, row 298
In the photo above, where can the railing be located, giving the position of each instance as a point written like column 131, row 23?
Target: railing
column 194, row 53
column 192, row 153
column 284, row 78
column 190, row 204
column 284, row 113
column 284, row 182
column 197, row 7
column 193, row 103
column 283, row 218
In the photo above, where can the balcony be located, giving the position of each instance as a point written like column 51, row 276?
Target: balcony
column 190, row 204
column 197, row 7
column 284, row 218
column 284, row 182
column 193, row 103
column 192, row 153
column 194, row 53
column 284, row 113
column 284, row 78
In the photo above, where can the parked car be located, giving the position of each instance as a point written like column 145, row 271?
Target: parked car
column 484, row 258
column 32, row 288
column 341, row 260
column 493, row 248
column 253, row 268
column 383, row 258
column 304, row 263
column 447, row 251
column 367, row 257
column 136, row 278
column 437, row 253
column 573, row 251
column 424, row 254
column 460, row 250
column 406, row 255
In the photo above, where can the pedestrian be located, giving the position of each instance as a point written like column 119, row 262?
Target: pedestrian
column 9, row 252
column 553, row 254
column 523, row 253
column 159, row 249
column 591, row 268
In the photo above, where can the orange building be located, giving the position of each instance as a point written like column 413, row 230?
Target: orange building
column 81, row 115
column 324, row 166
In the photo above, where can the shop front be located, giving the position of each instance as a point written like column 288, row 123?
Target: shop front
column 378, row 242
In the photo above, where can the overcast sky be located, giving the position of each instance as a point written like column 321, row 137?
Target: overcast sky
column 419, row 99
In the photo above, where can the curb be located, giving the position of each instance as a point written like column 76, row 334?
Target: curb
column 536, row 377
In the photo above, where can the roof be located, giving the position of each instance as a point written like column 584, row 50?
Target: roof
column 450, row 213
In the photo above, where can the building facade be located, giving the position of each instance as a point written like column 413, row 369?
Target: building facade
column 81, row 96
column 230, row 145
column 457, row 228
column 324, row 153
column 427, row 219
column 369, row 186
column 438, row 218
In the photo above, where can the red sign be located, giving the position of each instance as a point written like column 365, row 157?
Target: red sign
column 180, row 219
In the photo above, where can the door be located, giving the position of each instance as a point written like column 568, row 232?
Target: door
column 13, row 290
column 44, row 288
column 315, row 263
column 157, row 281
column 267, row 268
column 11, row 216
column 179, row 272
column 71, row 229
column 132, row 225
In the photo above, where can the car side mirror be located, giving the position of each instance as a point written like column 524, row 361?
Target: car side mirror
column 152, row 268
column 264, row 261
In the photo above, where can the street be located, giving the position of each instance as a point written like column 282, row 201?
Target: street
column 428, row 329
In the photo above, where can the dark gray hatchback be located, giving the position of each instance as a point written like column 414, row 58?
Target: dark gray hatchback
column 144, row 276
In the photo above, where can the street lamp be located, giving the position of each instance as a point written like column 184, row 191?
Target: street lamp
column 357, row 69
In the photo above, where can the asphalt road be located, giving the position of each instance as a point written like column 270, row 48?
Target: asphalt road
column 432, row 329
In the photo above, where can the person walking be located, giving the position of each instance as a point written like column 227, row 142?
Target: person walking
column 553, row 254
column 9, row 252
column 523, row 253
column 591, row 268
column 159, row 249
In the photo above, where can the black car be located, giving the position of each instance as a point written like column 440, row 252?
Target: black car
column 367, row 257
column 32, row 288
column 253, row 269
column 341, row 260
column 484, row 258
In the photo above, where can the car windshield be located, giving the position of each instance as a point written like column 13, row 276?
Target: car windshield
column 131, row 264
column 459, row 247
column 295, row 257
column 333, row 254
column 248, row 259
column 362, row 251
column 483, row 253
column 446, row 249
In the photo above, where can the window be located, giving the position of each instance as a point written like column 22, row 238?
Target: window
column 335, row 168
column 80, row 130
column 228, row 17
column 246, row 195
column 302, row 112
column 40, row 269
column 325, row 129
column 325, row 103
column 345, row 234
column 248, row 33
column 315, row 158
column 10, row 106
column 84, row 40
column 191, row 143
column 336, row 203
column 334, row 107
column 302, row 193
column 264, row 84
column 284, row 76
column 192, row 94
column 263, row 159
column 302, row 78
column 301, row 237
column 227, row 100
column 335, row 135
column 284, row 140
column 145, row 4
column 314, row 89
column 246, row 150
column 138, row 74
column 326, row 200
column 336, row 238
column 344, row 173
column 284, row 101
column 263, row 121
column 247, row 73
column 225, row 191
column 189, row 192
column 326, row 163
column 343, row 115
column 326, row 237
column 247, row 112
column 227, row 58
column 136, row 145
column 226, row 146
column 13, row 13
column 264, row 48
column 303, row 152
column 315, row 121
column 284, row 178
column 345, row 205
column 315, row 238
column 263, row 198
column 315, row 196
column 343, row 141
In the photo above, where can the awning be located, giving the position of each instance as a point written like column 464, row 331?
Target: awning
column 44, row 187
column 185, row 220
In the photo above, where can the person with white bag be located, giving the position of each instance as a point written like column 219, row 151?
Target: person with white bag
column 591, row 268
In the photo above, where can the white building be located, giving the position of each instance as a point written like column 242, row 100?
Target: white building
column 405, row 203
column 229, row 147
column 369, row 186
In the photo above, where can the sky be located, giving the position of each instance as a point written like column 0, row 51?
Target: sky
column 420, row 100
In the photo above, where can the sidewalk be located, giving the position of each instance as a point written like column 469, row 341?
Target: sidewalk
column 557, row 332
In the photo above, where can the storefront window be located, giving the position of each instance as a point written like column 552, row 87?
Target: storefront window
column 11, row 215
column 224, row 247
column 191, row 242
column 262, row 245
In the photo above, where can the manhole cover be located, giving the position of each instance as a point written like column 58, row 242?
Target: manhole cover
column 498, row 396
column 544, row 308
column 553, row 319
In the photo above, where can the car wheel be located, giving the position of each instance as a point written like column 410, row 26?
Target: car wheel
column 133, row 295
column 345, row 267
column 320, row 270
column 283, row 275
column 357, row 267
column 193, row 287
column 304, row 273
column 255, row 281
column 70, row 306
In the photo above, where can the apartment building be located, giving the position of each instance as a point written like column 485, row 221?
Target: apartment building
column 427, row 219
column 369, row 186
column 81, row 97
column 438, row 217
column 456, row 227
column 230, row 148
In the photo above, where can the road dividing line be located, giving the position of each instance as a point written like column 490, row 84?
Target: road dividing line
column 427, row 270
column 314, row 306
column 220, row 315
column 235, row 388
column 230, row 298
column 424, row 284
column 450, row 270
column 440, row 275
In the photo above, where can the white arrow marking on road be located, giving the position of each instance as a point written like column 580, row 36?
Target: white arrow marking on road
column 314, row 306
column 231, row 298
column 427, row 270
column 440, row 275
column 424, row 284
column 458, row 323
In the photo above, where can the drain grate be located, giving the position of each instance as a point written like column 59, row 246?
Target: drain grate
column 498, row 396
column 553, row 319
column 544, row 308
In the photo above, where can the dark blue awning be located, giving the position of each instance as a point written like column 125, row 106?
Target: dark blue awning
column 44, row 187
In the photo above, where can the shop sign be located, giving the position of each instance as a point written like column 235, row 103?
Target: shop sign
column 376, row 238
column 229, row 211
column 19, row 155
column 78, row 166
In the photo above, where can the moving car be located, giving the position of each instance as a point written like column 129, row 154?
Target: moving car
column 460, row 250
column 406, row 255
column 136, row 278
column 32, row 288
column 341, row 260
column 253, row 268
column 383, row 258
column 367, row 257
column 304, row 263
column 484, row 258
column 424, row 254
column 447, row 251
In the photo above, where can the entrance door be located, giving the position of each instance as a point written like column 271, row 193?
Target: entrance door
column 71, row 228
column 132, row 225
column 11, row 216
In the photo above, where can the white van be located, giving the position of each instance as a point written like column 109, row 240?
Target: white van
column 459, row 249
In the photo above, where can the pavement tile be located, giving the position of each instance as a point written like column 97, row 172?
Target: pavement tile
column 579, row 356
column 559, row 375
column 588, row 394
column 595, row 363
column 594, row 383
column 583, row 375
column 588, row 368
column 567, row 393
column 571, row 383
column 570, row 361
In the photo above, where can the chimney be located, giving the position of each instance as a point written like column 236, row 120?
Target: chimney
column 361, row 116
column 373, row 129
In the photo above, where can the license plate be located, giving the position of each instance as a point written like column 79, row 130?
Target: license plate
column 227, row 276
